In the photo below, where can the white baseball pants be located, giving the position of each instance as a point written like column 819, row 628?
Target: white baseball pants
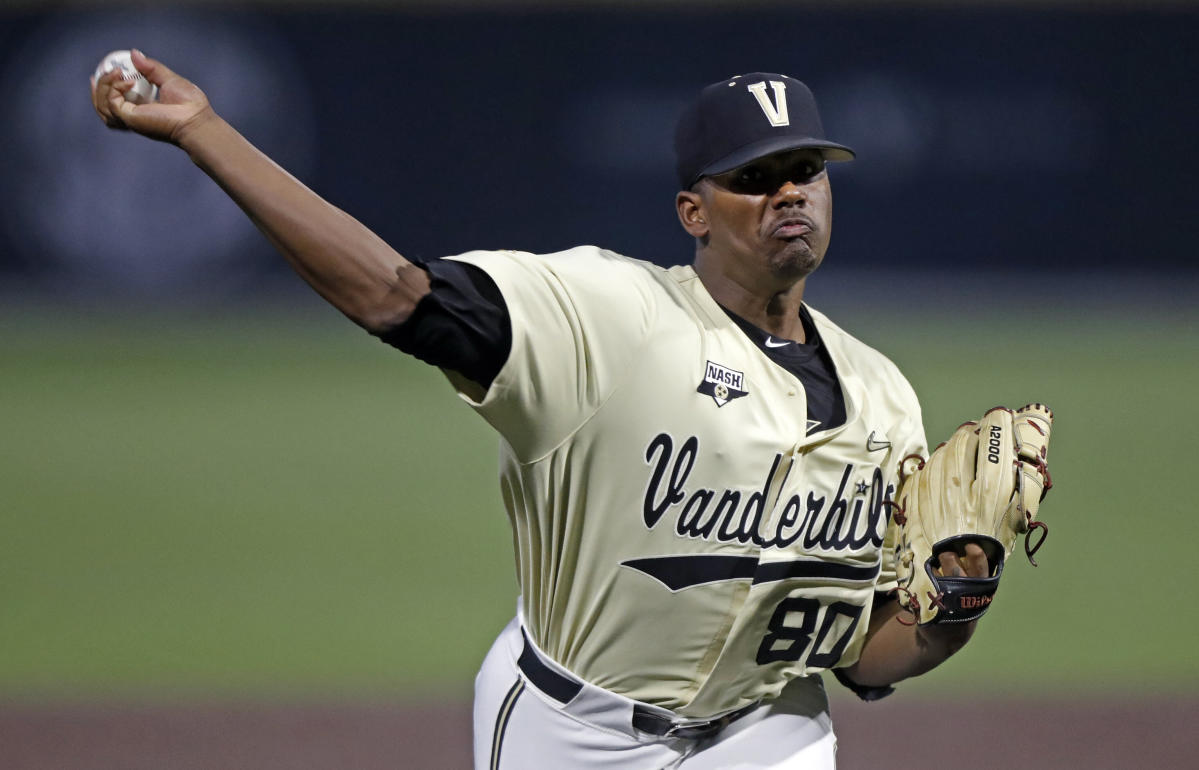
column 532, row 714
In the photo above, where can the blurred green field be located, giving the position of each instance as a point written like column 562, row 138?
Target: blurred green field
column 279, row 506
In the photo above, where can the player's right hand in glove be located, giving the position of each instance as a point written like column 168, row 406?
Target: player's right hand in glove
column 971, row 499
column 180, row 104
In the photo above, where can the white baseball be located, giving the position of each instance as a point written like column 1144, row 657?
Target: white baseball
column 143, row 90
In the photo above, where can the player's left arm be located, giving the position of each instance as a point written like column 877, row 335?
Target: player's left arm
column 896, row 649
column 959, row 513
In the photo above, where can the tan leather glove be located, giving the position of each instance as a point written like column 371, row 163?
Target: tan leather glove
column 984, row 485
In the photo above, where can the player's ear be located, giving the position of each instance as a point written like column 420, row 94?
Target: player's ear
column 690, row 208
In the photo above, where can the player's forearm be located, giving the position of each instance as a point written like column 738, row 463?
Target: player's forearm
column 894, row 651
column 337, row 255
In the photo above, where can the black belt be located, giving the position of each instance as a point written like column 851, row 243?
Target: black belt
column 656, row 724
column 563, row 689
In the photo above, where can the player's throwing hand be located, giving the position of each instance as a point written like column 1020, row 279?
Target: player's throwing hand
column 180, row 105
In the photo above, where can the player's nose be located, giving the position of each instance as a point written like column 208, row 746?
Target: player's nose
column 790, row 193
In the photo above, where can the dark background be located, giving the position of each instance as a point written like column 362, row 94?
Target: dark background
column 988, row 138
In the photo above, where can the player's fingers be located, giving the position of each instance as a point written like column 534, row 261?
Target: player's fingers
column 975, row 561
column 120, row 109
column 950, row 566
column 155, row 71
column 101, row 88
column 107, row 97
column 99, row 100
column 122, row 86
column 173, row 88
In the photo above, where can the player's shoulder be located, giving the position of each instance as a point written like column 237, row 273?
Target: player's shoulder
column 584, row 257
column 592, row 266
column 862, row 357
column 589, row 275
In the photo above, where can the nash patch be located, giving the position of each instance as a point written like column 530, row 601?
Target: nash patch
column 722, row 383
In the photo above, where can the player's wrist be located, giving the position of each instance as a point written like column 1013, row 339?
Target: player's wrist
column 199, row 133
column 941, row 640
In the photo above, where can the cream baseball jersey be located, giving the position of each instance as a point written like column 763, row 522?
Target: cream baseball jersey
column 682, row 537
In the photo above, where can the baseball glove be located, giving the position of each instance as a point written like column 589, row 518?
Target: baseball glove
column 983, row 486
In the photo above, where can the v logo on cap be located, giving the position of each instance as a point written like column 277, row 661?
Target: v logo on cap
column 777, row 115
column 722, row 130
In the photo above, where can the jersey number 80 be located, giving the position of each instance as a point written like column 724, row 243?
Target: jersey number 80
column 791, row 627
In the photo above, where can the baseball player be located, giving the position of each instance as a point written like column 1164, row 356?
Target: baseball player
column 699, row 468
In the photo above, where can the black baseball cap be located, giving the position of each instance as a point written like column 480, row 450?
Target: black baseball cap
column 748, row 117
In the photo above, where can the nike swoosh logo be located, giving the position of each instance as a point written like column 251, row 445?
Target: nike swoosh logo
column 771, row 343
column 874, row 446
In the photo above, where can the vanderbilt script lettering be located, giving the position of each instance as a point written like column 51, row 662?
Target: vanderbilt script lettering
column 739, row 515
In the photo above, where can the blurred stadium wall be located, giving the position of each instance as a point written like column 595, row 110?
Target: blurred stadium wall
column 1055, row 135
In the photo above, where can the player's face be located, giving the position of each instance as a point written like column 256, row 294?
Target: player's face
column 774, row 213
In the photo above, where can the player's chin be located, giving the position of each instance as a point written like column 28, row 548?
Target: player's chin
column 796, row 260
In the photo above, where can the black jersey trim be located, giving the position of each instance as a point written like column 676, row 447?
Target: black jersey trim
column 679, row 572
column 772, row 571
column 462, row 324
column 810, row 362
column 561, row 688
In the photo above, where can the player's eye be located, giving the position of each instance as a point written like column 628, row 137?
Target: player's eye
column 765, row 179
column 750, row 176
column 806, row 170
column 751, row 180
